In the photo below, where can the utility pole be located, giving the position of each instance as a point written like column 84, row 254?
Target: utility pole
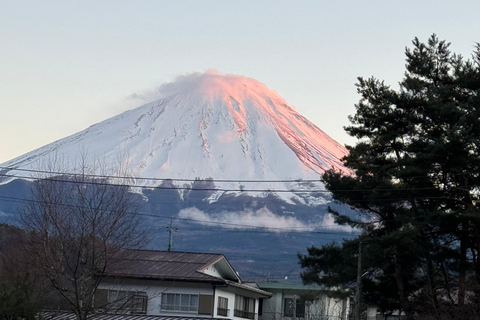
column 359, row 283
column 171, row 230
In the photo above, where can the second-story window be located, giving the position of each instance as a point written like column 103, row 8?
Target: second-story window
column 222, row 309
column 179, row 302
column 244, row 307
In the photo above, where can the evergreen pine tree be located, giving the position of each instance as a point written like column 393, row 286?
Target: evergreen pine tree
column 417, row 175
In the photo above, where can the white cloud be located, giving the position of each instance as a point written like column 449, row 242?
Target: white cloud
column 261, row 218
column 181, row 83
column 328, row 222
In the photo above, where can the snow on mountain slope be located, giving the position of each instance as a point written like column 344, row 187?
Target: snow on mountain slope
column 205, row 125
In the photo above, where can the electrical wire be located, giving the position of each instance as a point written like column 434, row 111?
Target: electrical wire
column 234, row 225
column 173, row 187
column 188, row 187
column 156, row 179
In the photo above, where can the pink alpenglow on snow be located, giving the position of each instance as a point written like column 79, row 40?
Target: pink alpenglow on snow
column 207, row 125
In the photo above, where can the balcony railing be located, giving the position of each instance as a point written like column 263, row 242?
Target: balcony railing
column 244, row 314
column 176, row 307
column 223, row 312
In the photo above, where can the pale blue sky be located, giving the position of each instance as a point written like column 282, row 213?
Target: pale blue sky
column 65, row 65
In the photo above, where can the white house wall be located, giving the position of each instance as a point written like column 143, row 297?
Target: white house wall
column 328, row 308
column 322, row 308
column 220, row 292
column 154, row 290
column 229, row 293
column 273, row 307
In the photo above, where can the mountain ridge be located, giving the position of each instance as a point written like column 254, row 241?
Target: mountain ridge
column 206, row 125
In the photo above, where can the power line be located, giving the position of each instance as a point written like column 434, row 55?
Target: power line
column 267, row 191
column 195, row 179
column 291, row 230
column 188, row 187
column 93, row 182
column 158, row 179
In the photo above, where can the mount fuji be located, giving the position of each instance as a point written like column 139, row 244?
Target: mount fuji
column 225, row 144
column 207, row 125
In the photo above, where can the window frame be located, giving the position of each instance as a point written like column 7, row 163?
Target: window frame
column 222, row 307
column 127, row 301
column 244, row 307
column 179, row 304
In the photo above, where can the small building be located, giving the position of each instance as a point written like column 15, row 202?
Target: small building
column 177, row 284
column 291, row 301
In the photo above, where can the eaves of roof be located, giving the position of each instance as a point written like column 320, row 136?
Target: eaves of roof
column 249, row 288
column 200, row 278
column 231, row 270
column 298, row 287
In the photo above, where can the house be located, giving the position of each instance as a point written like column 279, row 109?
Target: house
column 177, row 284
column 292, row 301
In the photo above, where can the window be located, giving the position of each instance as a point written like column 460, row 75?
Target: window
column 121, row 301
column 179, row 302
column 139, row 303
column 244, row 307
column 222, row 309
column 293, row 307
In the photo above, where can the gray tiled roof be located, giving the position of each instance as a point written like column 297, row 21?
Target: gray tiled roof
column 167, row 265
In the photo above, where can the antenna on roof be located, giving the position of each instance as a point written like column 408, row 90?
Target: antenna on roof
column 171, row 230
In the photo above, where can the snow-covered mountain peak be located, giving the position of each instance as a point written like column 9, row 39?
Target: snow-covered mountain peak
column 214, row 85
column 206, row 125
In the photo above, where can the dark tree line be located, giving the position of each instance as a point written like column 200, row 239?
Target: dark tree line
column 74, row 227
column 417, row 176
column 21, row 291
